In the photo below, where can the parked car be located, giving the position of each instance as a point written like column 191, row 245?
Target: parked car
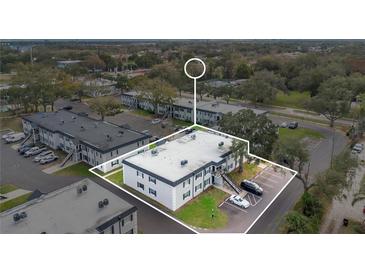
column 23, row 148
column 155, row 121
column 30, row 151
column 15, row 138
column 7, row 135
column 48, row 159
column 284, row 125
column 67, row 107
column 42, row 155
column 252, row 187
column 358, row 148
column 239, row 201
column 293, row 125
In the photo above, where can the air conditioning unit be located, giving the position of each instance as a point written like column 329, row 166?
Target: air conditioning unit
column 84, row 187
column 220, row 144
column 183, row 162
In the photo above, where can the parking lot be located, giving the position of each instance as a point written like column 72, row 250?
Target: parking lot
column 273, row 181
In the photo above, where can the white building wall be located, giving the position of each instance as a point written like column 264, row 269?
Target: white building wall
column 164, row 192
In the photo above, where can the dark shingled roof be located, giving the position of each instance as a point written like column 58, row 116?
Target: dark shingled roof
column 101, row 135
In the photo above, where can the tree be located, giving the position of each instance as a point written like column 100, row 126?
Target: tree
column 333, row 100
column 156, row 92
column 239, row 150
column 94, row 62
column 298, row 223
column 269, row 63
column 311, row 205
column 294, row 154
column 104, row 106
column 258, row 129
column 122, row 82
column 170, row 74
column 262, row 87
column 243, row 71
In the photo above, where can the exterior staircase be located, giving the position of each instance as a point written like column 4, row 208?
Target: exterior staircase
column 26, row 138
column 67, row 158
column 230, row 183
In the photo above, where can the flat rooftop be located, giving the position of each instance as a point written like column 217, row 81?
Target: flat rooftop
column 65, row 211
column 87, row 130
column 198, row 152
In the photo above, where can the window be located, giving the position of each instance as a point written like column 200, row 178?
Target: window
column 131, row 217
column 139, row 185
column 116, row 162
column 140, row 174
column 198, row 175
column 151, row 179
column 198, row 187
column 186, row 194
column 206, row 182
column 153, row 192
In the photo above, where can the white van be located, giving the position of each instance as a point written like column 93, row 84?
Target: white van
column 15, row 138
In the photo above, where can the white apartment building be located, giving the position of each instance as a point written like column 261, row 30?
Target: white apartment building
column 83, row 207
column 83, row 138
column 177, row 171
column 208, row 112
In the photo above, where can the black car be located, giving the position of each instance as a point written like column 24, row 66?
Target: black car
column 293, row 125
column 24, row 148
column 67, row 107
column 252, row 187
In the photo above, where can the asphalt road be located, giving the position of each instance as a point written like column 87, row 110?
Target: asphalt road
column 22, row 172
column 320, row 160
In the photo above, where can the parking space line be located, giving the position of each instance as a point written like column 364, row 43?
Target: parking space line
column 223, row 202
column 268, row 179
column 273, row 174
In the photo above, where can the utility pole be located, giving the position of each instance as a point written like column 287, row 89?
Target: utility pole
column 31, row 55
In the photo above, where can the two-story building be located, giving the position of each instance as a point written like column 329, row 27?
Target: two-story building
column 208, row 112
column 177, row 171
column 83, row 138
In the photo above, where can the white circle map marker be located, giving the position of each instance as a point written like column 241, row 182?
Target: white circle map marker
column 194, row 78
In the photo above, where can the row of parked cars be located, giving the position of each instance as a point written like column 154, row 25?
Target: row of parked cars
column 41, row 154
column 13, row 137
column 249, row 186
column 357, row 148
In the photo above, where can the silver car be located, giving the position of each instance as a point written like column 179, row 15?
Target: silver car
column 42, row 155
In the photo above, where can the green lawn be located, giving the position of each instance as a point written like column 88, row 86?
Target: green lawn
column 14, row 202
column 198, row 212
column 116, row 178
column 299, row 133
column 249, row 171
column 181, row 123
column 7, row 188
column 294, row 99
column 79, row 169
column 12, row 123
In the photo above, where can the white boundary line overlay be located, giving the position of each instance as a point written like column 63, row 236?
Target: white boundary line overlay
column 121, row 157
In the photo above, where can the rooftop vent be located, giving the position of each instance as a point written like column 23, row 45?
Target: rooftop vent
column 183, row 162
column 108, row 137
column 193, row 136
column 82, row 128
column 154, row 152
column 62, row 122
column 81, row 189
column 19, row 216
column 220, row 144
column 103, row 203
column 73, row 117
column 120, row 133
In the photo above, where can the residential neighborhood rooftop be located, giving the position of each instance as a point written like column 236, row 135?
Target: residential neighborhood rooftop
column 66, row 211
column 101, row 135
column 198, row 149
